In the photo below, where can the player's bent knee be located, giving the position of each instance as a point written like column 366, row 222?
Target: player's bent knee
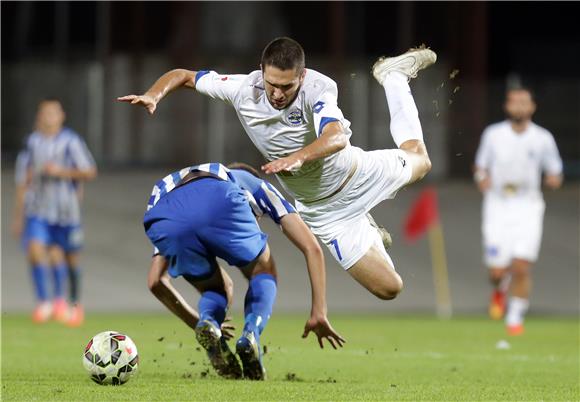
column 424, row 167
column 390, row 290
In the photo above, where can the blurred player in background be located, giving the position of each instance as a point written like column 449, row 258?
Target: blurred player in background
column 509, row 164
column 206, row 212
column 291, row 115
column 49, row 173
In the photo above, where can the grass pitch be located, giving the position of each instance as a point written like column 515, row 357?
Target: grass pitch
column 386, row 358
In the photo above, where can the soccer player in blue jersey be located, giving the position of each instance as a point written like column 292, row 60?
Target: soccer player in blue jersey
column 49, row 173
column 206, row 212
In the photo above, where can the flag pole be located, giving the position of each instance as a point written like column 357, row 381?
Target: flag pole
column 439, row 267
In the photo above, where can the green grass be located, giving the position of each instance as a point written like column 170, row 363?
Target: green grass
column 386, row 358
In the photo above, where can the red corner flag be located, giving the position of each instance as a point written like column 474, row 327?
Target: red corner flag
column 422, row 214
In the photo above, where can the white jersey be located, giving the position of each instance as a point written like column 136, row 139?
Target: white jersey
column 279, row 133
column 515, row 161
column 51, row 199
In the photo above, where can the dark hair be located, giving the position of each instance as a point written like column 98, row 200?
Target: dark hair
column 50, row 99
column 244, row 166
column 283, row 53
column 521, row 88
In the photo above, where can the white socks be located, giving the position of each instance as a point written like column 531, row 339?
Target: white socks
column 517, row 308
column 405, row 124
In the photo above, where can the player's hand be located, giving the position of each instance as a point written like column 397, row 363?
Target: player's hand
column 484, row 184
column 288, row 164
column 322, row 328
column 53, row 170
column 147, row 101
column 228, row 328
column 553, row 181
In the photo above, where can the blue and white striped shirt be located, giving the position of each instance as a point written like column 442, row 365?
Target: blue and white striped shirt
column 262, row 196
column 54, row 200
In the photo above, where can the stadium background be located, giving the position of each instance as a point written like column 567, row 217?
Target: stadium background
column 89, row 53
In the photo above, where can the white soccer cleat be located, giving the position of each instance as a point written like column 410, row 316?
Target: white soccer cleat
column 408, row 63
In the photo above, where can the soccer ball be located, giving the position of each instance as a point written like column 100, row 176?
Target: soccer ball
column 111, row 358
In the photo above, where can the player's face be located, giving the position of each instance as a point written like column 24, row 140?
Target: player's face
column 519, row 105
column 50, row 116
column 282, row 85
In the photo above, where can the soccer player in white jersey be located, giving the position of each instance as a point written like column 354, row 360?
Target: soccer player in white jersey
column 509, row 163
column 291, row 115
column 49, row 173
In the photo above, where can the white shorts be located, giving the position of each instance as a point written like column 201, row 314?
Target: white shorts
column 340, row 222
column 511, row 228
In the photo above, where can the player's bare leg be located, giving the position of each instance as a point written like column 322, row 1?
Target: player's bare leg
column 519, row 296
column 377, row 275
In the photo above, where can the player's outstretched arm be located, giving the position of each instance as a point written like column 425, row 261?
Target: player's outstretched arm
column 332, row 140
column 161, row 287
column 166, row 83
column 297, row 231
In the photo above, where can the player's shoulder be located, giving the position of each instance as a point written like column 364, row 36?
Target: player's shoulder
column 69, row 134
column 541, row 131
column 496, row 130
column 316, row 83
column 497, row 126
column 252, row 86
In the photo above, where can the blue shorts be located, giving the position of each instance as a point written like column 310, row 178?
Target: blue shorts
column 202, row 220
column 69, row 237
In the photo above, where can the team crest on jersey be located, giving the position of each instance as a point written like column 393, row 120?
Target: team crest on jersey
column 295, row 117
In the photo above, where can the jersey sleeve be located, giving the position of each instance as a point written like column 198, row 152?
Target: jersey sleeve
column 483, row 157
column 325, row 107
column 79, row 154
column 551, row 160
column 272, row 203
column 218, row 86
column 21, row 167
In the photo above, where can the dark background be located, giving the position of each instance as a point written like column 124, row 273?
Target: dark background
column 538, row 43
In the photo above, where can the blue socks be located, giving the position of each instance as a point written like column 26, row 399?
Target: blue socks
column 39, row 280
column 212, row 307
column 259, row 303
column 74, row 277
column 59, row 273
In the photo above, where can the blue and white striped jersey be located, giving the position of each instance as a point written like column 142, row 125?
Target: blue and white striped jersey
column 53, row 199
column 262, row 196
column 169, row 182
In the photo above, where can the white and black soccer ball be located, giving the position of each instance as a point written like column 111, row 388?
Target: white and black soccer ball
column 111, row 358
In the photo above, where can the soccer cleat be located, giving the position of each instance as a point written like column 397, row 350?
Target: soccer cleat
column 42, row 313
column 60, row 310
column 515, row 330
column 408, row 63
column 497, row 305
column 221, row 357
column 77, row 316
column 248, row 349
column 385, row 236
